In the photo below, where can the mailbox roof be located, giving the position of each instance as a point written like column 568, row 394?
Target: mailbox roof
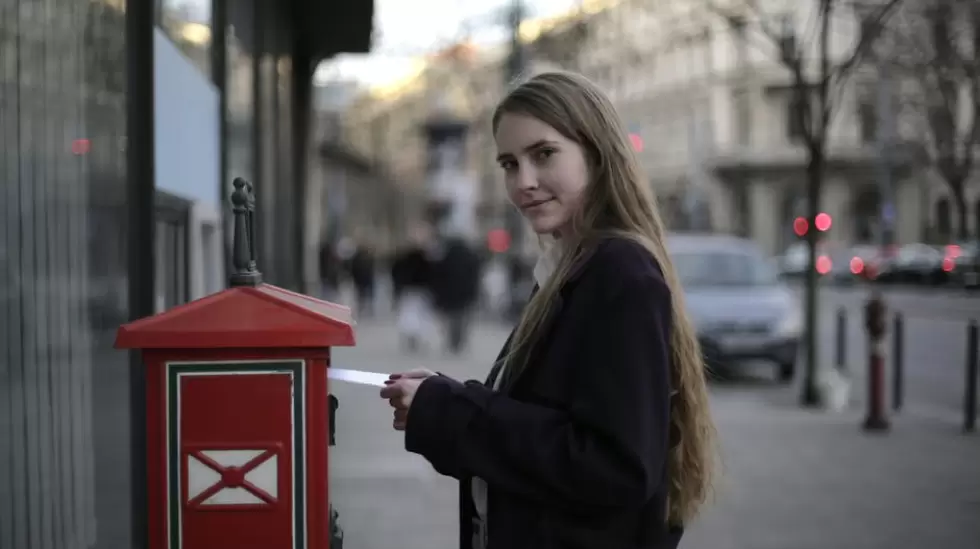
column 263, row 316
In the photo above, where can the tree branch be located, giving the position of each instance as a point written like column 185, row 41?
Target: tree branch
column 973, row 136
column 872, row 27
column 772, row 37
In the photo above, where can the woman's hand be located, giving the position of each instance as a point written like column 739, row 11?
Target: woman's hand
column 400, row 391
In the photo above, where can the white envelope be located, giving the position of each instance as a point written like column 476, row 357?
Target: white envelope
column 357, row 376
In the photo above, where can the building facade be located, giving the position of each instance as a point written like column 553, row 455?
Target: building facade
column 713, row 108
column 121, row 122
column 391, row 125
column 350, row 194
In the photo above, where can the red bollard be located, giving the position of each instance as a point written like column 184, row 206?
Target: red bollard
column 874, row 312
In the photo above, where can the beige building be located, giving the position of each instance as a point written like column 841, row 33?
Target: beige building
column 711, row 106
column 349, row 193
column 387, row 123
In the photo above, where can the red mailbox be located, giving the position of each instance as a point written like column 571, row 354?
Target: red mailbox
column 237, row 411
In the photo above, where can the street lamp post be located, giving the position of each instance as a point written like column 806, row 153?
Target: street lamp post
column 516, row 65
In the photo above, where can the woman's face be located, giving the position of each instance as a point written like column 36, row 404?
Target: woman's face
column 545, row 172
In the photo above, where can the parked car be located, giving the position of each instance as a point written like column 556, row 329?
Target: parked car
column 794, row 261
column 832, row 264
column 915, row 264
column 740, row 308
column 963, row 264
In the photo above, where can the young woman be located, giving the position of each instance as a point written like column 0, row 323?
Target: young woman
column 593, row 429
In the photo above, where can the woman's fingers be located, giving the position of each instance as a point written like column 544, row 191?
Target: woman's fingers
column 400, row 419
column 399, row 390
column 392, row 390
column 412, row 374
column 395, row 394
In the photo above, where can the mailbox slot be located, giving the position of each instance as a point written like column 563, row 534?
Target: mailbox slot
column 334, row 404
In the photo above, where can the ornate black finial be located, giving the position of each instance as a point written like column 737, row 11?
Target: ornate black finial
column 243, row 246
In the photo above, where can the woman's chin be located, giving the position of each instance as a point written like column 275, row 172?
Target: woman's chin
column 544, row 227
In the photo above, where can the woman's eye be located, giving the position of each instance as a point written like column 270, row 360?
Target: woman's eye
column 544, row 154
column 508, row 165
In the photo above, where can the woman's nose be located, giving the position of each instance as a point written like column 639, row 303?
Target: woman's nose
column 526, row 179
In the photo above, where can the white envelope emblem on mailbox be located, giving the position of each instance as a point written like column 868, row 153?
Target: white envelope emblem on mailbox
column 232, row 477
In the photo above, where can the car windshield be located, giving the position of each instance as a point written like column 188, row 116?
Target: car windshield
column 698, row 269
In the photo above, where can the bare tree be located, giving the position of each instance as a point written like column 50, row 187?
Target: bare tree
column 562, row 45
column 819, row 79
column 932, row 49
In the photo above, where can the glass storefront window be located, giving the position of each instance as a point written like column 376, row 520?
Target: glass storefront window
column 64, row 273
column 188, row 23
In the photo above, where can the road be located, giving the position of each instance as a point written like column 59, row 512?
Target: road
column 793, row 479
column 934, row 343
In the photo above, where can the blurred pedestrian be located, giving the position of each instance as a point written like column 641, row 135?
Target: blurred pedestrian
column 363, row 275
column 593, row 428
column 494, row 285
column 330, row 268
column 411, row 278
column 456, row 289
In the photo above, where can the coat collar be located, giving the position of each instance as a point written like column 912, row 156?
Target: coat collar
column 584, row 255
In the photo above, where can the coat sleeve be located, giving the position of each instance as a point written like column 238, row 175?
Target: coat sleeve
column 606, row 450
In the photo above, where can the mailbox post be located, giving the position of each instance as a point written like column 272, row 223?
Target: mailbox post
column 238, row 413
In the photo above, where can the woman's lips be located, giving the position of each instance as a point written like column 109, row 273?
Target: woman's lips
column 535, row 203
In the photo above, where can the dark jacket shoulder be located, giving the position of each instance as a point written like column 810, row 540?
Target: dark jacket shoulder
column 619, row 261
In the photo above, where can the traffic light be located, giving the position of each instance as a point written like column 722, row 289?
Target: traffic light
column 822, row 222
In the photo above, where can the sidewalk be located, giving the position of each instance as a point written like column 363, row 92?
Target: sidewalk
column 796, row 479
column 793, row 479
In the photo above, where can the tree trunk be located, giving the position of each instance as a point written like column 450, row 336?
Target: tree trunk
column 814, row 174
column 959, row 200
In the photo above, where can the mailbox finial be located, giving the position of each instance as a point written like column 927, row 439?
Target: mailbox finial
column 246, row 272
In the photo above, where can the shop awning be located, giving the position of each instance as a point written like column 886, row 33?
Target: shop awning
column 332, row 27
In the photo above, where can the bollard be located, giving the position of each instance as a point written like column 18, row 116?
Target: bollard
column 898, row 362
column 972, row 367
column 874, row 312
column 842, row 340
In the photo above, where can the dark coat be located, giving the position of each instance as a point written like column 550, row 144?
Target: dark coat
column 455, row 277
column 411, row 270
column 574, row 447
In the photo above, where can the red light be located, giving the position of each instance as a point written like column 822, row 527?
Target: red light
column 948, row 264
column 824, row 265
column 822, row 222
column 800, row 226
column 953, row 251
column 80, row 146
column 498, row 240
column 857, row 265
column 637, row 142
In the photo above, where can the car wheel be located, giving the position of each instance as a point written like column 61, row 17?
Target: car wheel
column 787, row 371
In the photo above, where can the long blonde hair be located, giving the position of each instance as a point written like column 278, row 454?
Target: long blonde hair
column 619, row 201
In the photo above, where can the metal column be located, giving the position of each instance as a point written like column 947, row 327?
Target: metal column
column 141, row 183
